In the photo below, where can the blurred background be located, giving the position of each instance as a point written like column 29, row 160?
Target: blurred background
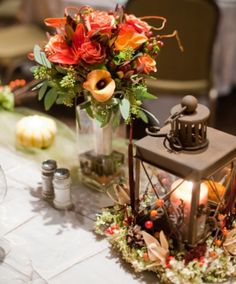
column 206, row 68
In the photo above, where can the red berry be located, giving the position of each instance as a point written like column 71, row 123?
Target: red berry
column 169, row 258
column 150, row 46
column 160, row 43
column 148, row 224
column 168, row 265
column 202, row 259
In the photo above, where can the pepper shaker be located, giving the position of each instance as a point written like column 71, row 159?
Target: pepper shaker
column 62, row 189
column 48, row 169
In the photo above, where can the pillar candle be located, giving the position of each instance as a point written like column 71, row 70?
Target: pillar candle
column 184, row 192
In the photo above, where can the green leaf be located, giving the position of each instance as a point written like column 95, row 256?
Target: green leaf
column 45, row 61
column 77, row 118
column 151, row 115
column 106, row 118
column 148, row 96
column 141, row 114
column 125, row 108
column 40, row 57
column 37, row 86
column 61, row 70
column 50, row 98
column 90, row 112
column 116, row 119
column 141, row 93
column 42, row 90
column 60, row 100
column 85, row 104
column 37, row 56
column 98, row 66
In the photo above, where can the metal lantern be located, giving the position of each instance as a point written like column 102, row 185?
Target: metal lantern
column 202, row 164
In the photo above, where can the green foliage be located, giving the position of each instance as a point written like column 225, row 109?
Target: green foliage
column 43, row 90
column 125, row 108
column 50, row 98
column 141, row 93
column 124, row 55
column 68, row 81
column 40, row 57
column 42, row 73
column 62, row 84
column 142, row 115
column 152, row 116
column 6, row 98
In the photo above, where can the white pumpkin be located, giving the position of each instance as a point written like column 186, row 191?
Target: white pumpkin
column 36, row 131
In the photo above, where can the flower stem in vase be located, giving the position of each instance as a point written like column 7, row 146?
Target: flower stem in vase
column 131, row 168
column 102, row 139
column 100, row 164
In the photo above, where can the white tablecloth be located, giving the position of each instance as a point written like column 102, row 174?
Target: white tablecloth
column 57, row 246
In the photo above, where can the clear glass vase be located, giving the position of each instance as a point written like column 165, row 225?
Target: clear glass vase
column 100, row 166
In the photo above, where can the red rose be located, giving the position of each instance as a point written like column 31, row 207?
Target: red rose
column 99, row 21
column 91, row 52
column 139, row 25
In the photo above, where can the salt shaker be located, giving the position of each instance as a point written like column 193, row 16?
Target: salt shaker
column 62, row 189
column 48, row 169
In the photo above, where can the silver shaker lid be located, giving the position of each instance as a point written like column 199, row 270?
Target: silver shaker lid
column 61, row 173
column 49, row 165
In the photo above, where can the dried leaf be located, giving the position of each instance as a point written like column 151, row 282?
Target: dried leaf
column 230, row 242
column 163, row 241
column 156, row 251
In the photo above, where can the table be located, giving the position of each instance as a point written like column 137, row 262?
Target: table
column 48, row 245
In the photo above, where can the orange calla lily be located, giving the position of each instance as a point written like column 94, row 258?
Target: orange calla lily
column 100, row 84
column 128, row 37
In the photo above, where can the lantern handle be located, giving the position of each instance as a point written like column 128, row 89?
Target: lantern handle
column 175, row 115
column 173, row 141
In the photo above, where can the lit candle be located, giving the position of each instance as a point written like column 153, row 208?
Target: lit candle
column 183, row 192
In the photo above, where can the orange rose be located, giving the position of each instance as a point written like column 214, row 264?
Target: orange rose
column 99, row 21
column 100, row 84
column 139, row 25
column 128, row 37
column 91, row 52
column 146, row 64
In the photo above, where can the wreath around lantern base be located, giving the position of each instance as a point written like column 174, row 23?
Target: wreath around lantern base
column 210, row 263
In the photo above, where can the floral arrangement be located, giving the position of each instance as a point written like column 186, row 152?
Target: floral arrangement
column 101, row 60
column 7, row 93
column 144, row 240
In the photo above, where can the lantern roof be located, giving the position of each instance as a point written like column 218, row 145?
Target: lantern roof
column 194, row 165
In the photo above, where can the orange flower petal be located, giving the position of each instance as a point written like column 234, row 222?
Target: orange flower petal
column 55, row 22
column 129, row 38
